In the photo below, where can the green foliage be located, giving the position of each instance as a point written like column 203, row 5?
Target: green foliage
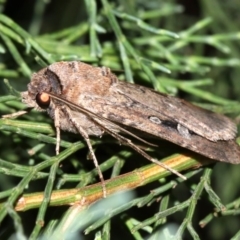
column 188, row 52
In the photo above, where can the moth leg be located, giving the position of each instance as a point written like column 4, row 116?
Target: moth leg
column 57, row 127
column 86, row 138
column 14, row 115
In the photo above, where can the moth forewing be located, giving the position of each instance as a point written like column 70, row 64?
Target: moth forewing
column 150, row 122
column 205, row 123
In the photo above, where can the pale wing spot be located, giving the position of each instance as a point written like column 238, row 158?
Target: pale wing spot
column 184, row 132
column 155, row 119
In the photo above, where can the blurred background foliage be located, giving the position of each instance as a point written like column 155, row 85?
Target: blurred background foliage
column 185, row 48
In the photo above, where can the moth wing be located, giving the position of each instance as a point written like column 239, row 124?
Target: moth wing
column 148, row 115
column 131, row 114
column 205, row 123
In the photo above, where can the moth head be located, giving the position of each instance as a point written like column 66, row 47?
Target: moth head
column 41, row 83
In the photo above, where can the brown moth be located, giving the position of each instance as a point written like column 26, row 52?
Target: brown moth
column 89, row 100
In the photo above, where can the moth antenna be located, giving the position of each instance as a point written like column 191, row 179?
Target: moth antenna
column 86, row 138
column 139, row 150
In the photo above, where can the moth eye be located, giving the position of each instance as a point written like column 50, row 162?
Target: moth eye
column 43, row 100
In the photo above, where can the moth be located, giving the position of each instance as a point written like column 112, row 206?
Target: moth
column 91, row 101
